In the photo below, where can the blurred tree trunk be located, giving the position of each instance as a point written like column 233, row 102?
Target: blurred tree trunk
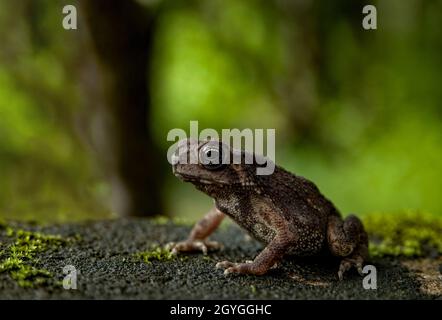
column 122, row 35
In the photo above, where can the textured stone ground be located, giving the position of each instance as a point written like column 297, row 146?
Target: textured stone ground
column 104, row 257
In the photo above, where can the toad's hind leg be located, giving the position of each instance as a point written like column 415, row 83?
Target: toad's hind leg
column 348, row 239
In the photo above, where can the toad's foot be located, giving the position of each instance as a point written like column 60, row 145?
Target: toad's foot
column 249, row 267
column 203, row 246
column 347, row 263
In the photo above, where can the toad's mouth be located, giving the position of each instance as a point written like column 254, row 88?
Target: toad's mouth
column 185, row 177
column 198, row 180
column 190, row 178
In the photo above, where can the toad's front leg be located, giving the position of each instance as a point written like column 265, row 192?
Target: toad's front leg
column 271, row 255
column 197, row 240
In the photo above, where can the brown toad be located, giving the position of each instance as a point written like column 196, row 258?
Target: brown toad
column 284, row 211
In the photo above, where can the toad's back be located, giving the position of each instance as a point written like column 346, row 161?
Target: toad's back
column 281, row 198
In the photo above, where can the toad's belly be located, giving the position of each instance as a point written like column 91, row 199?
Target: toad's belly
column 307, row 242
column 308, row 238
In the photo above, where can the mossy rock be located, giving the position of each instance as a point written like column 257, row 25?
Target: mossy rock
column 408, row 233
column 21, row 255
column 156, row 254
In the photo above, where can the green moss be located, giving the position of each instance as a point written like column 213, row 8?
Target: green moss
column 408, row 233
column 163, row 220
column 20, row 257
column 252, row 289
column 156, row 254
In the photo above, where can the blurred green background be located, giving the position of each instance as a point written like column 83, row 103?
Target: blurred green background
column 358, row 112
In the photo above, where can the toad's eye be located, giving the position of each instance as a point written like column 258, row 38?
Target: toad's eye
column 211, row 157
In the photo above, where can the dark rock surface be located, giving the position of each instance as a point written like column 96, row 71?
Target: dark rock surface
column 104, row 258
